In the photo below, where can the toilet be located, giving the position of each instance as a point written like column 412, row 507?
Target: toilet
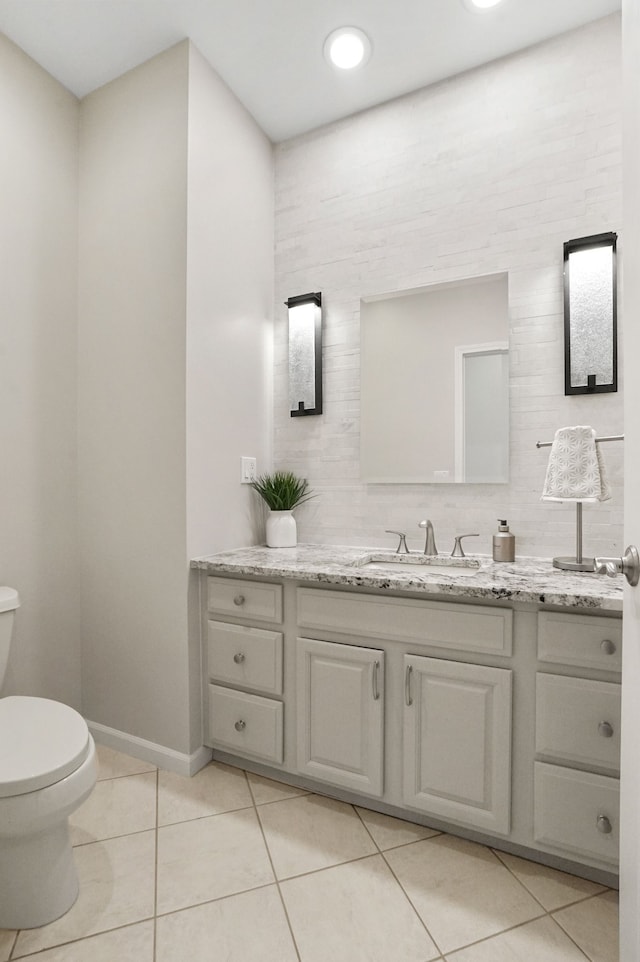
column 47, row 769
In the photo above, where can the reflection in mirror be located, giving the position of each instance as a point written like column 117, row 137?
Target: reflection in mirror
column 435, row 384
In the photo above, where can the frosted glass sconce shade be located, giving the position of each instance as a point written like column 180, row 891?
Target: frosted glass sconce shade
column 305, row 354
column 590, row 322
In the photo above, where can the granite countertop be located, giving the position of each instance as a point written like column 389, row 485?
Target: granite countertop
column 532, row 580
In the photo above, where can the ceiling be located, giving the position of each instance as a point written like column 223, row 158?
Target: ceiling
column 270, row 51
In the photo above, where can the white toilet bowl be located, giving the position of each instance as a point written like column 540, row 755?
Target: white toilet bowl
column 47, row 769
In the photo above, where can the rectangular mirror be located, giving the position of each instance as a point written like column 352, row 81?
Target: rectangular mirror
column 435, row 384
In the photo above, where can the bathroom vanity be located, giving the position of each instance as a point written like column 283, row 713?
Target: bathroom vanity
column 481, row 701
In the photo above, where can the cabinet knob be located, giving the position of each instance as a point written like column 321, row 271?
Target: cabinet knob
column 238, row 600
column 603, row 824
column 605, row 729
column 608, row 646
column 238, row 658
column 240, row 726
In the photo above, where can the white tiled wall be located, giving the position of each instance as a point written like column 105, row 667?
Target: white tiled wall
column 490, row 171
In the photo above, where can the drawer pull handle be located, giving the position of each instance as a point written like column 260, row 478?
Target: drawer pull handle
column 238, row 658
column 374, row 680
column 608, row 646
column 240, row 725
column 603, row 824
column 238, row 600
column 407, row 686
column 605, row 729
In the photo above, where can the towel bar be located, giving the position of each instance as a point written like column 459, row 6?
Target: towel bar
column 614, row 437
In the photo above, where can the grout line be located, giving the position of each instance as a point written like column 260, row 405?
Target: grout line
column 218, row 898
column 519, row 881
column 155, row 877
column 366, row 828
column 410, row 901
column 558, row 908
column 15, row 942
column 275, row 876
column 198, row 818
column 83, row 938
column 571, row 938
column 513, row 928
column 113, row 778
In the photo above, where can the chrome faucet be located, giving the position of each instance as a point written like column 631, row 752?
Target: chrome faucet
column 402, row 544
column 430, row 542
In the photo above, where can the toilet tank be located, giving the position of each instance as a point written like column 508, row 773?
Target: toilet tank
column 9, row 601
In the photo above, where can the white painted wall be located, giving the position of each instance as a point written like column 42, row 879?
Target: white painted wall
column 229, row 311
column 38, row 276
column 229, row 333
column 176, row 288
column 490, row 171
column 132, row 401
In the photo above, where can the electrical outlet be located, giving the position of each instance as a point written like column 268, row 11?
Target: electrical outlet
column 248, row 470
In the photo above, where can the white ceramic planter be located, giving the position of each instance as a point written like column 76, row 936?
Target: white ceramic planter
column 281, row 530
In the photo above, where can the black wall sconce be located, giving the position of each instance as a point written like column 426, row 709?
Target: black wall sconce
column 590, row 315
column 305, row 354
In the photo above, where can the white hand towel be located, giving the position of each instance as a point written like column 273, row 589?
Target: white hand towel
column 576, row 470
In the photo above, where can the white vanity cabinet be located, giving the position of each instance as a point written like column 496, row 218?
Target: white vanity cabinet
column 576, row 793
column 492, row 718
column 243, row 664
column 340, row 714
column 452, row 718
column 457, row 741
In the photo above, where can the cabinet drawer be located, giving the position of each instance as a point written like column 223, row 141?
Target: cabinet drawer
column 578, row 720
column 246, row 599
column 572, row 809
column 249, row 657
column 247, row 724
column 589, row 642
column 478, row 628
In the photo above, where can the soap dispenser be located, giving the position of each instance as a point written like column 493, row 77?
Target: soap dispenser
column 504, row 543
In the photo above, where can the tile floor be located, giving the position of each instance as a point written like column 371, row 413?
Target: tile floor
column 231, row 867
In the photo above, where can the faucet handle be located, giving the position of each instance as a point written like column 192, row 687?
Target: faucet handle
column 457, row 547
column 402, row 544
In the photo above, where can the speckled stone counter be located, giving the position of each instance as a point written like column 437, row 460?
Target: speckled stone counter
column 531, row 580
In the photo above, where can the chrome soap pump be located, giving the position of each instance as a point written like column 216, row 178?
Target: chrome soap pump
column 504, row 543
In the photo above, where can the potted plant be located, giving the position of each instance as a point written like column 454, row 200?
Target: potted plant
column 282, row 491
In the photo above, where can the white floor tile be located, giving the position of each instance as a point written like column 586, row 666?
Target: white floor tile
column 213, row 790
column 309, row 833
column 551, row 888
column 208, row 858
column 539, row 941
column 391, row 832
column 7, row 938
column 116, row 888
column 594, row 926
column 267, row 790
column 131, row 944
column 251, row 927
column 116, row 806
column 460, row 889
column 355, row 912
column 112, row 764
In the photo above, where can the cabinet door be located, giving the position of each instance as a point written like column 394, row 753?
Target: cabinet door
column 457, row 742
column 340, row 714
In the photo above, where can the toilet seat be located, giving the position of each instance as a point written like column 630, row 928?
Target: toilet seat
column 41, row 742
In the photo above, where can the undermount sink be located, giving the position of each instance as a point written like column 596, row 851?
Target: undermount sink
column 420, row 564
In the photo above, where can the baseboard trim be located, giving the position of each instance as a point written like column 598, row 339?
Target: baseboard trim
column 159, row 755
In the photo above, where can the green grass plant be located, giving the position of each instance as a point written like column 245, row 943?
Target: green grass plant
column 282, row 490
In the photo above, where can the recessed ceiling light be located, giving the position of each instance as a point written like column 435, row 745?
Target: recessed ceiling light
column 476, row 5
column 347, row 47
